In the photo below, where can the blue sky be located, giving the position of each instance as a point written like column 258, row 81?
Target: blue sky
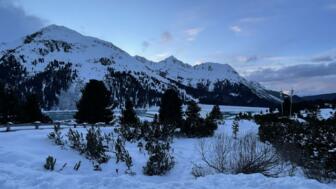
column 252, row 36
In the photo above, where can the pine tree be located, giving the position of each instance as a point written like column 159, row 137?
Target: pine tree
column 170, row 112
column 235, row 128
column 193, row 121
column 128, row 115
column 216, row 113
column 130, row 123
column 95, row 104
column 31, row 110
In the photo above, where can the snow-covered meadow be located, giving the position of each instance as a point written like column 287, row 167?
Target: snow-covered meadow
column 23, row 153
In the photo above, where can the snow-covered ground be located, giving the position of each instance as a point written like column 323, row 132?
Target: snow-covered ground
column 327, row 113
column 23, row 153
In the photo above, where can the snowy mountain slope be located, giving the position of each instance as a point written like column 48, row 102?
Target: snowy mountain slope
column 56, row 62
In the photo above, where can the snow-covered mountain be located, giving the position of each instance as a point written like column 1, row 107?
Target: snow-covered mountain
column 56, row 62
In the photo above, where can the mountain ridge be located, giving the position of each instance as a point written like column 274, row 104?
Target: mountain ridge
column 62, row 57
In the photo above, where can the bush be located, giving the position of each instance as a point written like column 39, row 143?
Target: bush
column 95, row 149
column 160, row 161
column 56, row 135
column 50, row 163
column 244, row 155
column 310, row 145
column 76, row 140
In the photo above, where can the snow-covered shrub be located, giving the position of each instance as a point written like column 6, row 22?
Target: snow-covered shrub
column 252, row 156
column 247, row 155
column 310, row 145
column 160, row 161
column 76, row 140
column 235, row 128
column 122, row 154
column 56, row 135
column 158, row 147
column 198, row 171
column 95, row 149
column 50, row 163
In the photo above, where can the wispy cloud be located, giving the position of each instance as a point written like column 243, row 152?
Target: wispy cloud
column 235, row 28
column 192, row 33
column 15, row 22
column 166, row 37
column 304, row 78
column 145, row 45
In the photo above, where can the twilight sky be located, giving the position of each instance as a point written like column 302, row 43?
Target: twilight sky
column 282, row 44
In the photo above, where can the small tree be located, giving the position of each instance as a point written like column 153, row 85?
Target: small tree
column 216, row 113
column 193, row 121
column 31, row 110
column 129, row 122
column 95, row 149
column 170, row 112
column 95, row 104
column 160, row 161
column 235, row 128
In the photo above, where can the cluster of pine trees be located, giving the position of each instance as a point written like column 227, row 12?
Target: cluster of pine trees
column 155, row 137
column 14, row 109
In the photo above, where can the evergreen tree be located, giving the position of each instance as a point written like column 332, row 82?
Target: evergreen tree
column 128, row 115
column 170, row 112
column 95, row 104
column 11, row 106
column 216, row 114
column 193, row 119
column 129, row 122
column 235, row 128
column 31, row 110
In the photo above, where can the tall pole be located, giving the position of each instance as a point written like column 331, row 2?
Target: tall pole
column 291, row 102
column 281, row 96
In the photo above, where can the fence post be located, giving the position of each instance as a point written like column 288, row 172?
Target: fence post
column 8, row 127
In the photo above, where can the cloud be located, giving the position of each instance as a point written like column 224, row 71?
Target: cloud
column 304, row 78
column 145, row 45
column 192, row 33
column 246, row 59
column 15, row 22
column 326, row 58
column 166, row 37
column 235, row 29
column 296, row 71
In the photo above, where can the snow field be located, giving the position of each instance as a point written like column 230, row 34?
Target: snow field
column 23, row 153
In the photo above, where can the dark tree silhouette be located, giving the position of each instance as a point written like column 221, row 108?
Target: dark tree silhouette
column 170, row 112
column 216, row 113
column 95, row 104
column 128, row 116
column 31, row 110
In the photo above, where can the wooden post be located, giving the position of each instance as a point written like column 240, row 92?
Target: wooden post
column 7, row 127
